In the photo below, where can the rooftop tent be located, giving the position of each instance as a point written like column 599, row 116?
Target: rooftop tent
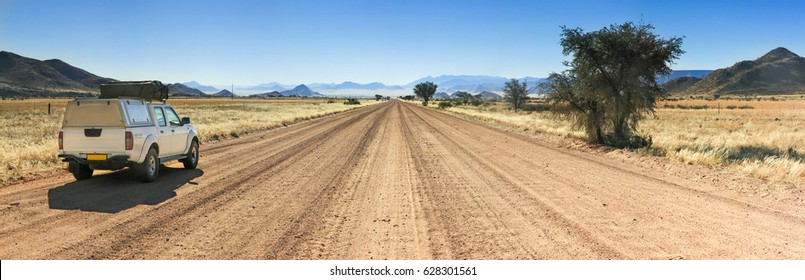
column 148, row 90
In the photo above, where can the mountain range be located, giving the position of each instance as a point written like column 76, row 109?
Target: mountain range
column 223, row 93
column 265, row 87
column 298, row 91
column 352, row 85
column 473, row 83
column 779, row 71
column 203, row 88
column 178, row 89
column 676, row 74
column 25, row 76
column 267, row 94
column 301, row 91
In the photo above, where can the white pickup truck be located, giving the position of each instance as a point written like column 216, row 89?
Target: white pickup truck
column 126, row 131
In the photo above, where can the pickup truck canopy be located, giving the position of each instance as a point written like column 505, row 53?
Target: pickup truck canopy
column 147, row 90
column 93, row 113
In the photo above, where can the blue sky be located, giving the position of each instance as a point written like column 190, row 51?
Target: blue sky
column 394, row 42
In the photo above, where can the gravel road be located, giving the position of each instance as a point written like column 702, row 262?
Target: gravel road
column 393, row 181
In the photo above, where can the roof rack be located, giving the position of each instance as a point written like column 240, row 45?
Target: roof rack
column 147, row 90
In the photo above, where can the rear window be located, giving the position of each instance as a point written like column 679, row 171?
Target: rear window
column 93, row 113
column 138, row 113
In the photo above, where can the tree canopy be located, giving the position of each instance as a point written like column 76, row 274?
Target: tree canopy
column 611, row 82
column 464, row 97
column 515, row 93
column 425, row 90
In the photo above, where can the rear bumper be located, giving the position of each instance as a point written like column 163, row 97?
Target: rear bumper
column 111, row 163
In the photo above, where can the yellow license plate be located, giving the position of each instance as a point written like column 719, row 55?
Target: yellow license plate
column 96, row 157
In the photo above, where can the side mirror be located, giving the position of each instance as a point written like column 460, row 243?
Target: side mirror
column 185, row 120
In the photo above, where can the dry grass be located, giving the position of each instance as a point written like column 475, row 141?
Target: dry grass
column 766, row 141
column 532, row 121
column 28, row 135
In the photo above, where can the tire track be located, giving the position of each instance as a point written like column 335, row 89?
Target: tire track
column 137, row 232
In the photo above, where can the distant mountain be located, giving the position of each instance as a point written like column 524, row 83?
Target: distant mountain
column 267, row 94
column 25, row 76
column 679, row 84
column 203, row 88
column 352, row 85
column 441, row 95
column 470, row 83
column 682, row 73
column 223, row 93
column 779, row 71
column 448, row 81
column 178, row 89
column 474, row 84
column 267, row 87
column 302, row 91
column 472, row 87
column 490, row 96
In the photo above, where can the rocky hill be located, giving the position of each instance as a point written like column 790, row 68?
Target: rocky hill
column 223, row 93
column 441, row 95
column 267, row 94
column 178, row 89
column 301, row 91
column 780, row 71
column 679, row 84
column 486, row 95
column 203, row 88
column 676, row 74
column 23, row 76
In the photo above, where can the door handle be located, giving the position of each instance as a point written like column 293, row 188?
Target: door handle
column 161, row 131
column 173, row 130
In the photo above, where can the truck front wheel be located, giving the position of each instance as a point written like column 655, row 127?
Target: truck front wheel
column 191, row 161
column 80, row 171
column 149, row 168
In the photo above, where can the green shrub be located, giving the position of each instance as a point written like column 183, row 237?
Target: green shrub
column 352, row 101
column 444, row 104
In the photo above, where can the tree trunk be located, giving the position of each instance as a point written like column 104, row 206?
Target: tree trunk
column 621, row 129
column 599, row 137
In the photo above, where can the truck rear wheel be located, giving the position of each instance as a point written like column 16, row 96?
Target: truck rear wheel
column 149, row 168
column 80, row 171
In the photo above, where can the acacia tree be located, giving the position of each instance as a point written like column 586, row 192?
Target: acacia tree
column 515, row 93
column 425, row 90
column 378, row 97
column 611, row 83
column 464, row 97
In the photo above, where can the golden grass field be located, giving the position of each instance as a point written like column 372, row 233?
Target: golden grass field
column 765, row 139
column 28, row 135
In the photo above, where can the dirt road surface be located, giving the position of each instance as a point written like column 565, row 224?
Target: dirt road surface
column 393, row 181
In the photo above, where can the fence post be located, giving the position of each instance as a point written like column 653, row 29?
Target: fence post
column 48, row 108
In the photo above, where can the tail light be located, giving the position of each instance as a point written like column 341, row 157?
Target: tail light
column 61, row 140
column 129, row 140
